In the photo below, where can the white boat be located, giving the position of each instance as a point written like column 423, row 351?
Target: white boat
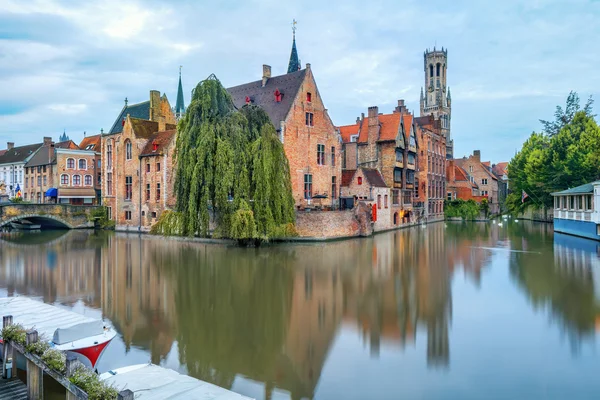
column 84, row 337
column 149, row 381
column 25, row 225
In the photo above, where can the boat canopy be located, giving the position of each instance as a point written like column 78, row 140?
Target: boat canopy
column 77, row 332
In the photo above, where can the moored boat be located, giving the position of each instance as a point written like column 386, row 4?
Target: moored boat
column 84, row 337
column 25, row 225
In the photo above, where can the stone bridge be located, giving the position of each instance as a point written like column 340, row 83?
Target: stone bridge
column 48, row 215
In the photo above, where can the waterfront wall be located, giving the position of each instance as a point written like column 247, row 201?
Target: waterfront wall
column 327, row 224
column 577, row 228
column 541, row 215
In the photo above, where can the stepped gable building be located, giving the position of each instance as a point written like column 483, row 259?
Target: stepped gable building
column 12, row 164
column 137, row 152
column 435, row 100
column 310, row 140
column 432, row 166
column 387, row 143
column 94, row 143
column 478, row 173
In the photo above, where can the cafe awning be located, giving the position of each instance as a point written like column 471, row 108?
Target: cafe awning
column 52, row 192
column 76, row 193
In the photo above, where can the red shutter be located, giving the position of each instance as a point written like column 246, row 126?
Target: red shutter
column 374, row 214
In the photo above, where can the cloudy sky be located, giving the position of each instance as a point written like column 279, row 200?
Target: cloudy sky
column 69, row 64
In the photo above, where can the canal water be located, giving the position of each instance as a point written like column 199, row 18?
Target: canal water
column 447, row 311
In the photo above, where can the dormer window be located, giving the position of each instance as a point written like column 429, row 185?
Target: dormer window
column 154, row 146
column 359, row 180
column 309, row 97
column 278, row 95
column 248, row 100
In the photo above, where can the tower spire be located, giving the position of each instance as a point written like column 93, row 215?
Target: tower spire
column 294, row 64
column 179, row 106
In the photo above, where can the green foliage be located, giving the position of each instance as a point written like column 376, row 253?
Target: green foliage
column 55, row 359
column 484, row 206
column 465, row 209
column 227, row 157
column 38, row 348
column 15, row 333
column 100, row 215
column 17, row 200
column 170, row 223
column 566, row 154
column 90, row 383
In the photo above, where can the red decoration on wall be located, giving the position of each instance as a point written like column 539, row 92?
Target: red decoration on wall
column 154, row 146
column 248, row 100
column 360, row 180
column 278, row 95
column 374, row 213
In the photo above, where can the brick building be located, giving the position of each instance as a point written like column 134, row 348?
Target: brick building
column 387, row 143
column 459, row 185
column 12, row 166
column 124, row 159
column 94, row 143
column 432, row 166
column 311, row 142
column 480, row 174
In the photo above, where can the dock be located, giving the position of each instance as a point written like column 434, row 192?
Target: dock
column 12, row 389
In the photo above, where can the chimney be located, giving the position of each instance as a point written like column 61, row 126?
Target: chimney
column 477, row 155
column 47, row 140
column 357, row 120
column 10, row 145
column 266, row 74
column 450, row 173
column 401, row 107
column 373, row 115
column 307, row 65
column 154, row 105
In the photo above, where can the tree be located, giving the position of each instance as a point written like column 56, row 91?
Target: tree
column 229, row 160
column 564, row 117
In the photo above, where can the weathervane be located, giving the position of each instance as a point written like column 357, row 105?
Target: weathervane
column 294, row 23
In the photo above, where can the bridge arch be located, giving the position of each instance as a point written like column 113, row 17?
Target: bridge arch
column 44, row 220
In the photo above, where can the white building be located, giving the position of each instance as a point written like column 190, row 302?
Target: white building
column 12, row 162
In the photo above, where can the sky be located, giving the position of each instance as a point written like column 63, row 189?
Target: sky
column 68, row 65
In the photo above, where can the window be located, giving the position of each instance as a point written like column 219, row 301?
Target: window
column 333, row 156
column 359, row 180
column 309, row 119
column 39, row 180
column 153, row 214
column 44, row 169
column 437, row 69
column 571, row 203
column 397, row 175
column 128, row 187
column 82, row 164
column 109, row 155
column 320, row 154
column 431, row 70
column 484, row 192
column 99, row 178
column 147, row 192
column 399, row 155
column 70, row 163
column 307, row 186
column 99, row 163
column 484, row 181
column 147, row 167
column 588, row 202
column 26, row 182
column 88, row 180
column 76, row 180
column 109, row 212
column 333, row 187
column 39, row 197
column 410, row 176
column 449, row 196
column 25, row 198
column 45, row 180
column 157, row 166
column 308, row 97
column 470, row 168
column 411, row 159
column 109, row 183
column 417, row 187
column 379, row 201
column 39, row 169
column 128, row 215
column 385, row 200
column 128, row 150
column 395, row 197
column 158, row 192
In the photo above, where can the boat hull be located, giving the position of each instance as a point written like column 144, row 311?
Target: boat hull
column 25, row 227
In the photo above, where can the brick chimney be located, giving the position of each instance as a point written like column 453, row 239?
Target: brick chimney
column 266, row 74
column 154, row 105
column 450, row 173
column 477, row 155
column 373, row 116
column 401, row 107
column 47, row 140
column 10, row 145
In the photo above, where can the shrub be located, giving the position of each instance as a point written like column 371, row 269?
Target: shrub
column 90, row 383
column 38, row 348
column 15, row 333
column 170, row 223
column 55, row 359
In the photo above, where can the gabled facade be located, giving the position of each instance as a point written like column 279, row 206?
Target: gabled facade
column 12, row 166
column 311, row 142
column 480, row 174
column 124, row 190
column 432, row 166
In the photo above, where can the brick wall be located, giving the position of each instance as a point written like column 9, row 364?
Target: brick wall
column 327, row 224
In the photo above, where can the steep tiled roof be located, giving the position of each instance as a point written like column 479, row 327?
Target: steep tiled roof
column 374, row 177
column 2, row 152
column 348, row 130
column 390, row 125
column 93, row 142
column 288, row 85
column 347, row 175
column 44, row 156
column 500, row 169
column 487, row 164
column 143, row 128
column 19, row 154
column 140, row 110
column 364, row 131
column 67, row 144
column 407, row 120
column 161, row 139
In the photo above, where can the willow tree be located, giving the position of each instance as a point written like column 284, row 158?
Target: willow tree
column 227, row 158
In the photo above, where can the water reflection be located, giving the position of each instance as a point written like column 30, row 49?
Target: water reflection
column 274, row 315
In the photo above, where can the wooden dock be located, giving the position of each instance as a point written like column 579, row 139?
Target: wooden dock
column 12, row 389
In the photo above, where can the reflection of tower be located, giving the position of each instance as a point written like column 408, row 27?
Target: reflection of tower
column 436, row 100
column 438, row 348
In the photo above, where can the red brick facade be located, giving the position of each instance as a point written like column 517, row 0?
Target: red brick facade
column 432, row 166
column 480, row 174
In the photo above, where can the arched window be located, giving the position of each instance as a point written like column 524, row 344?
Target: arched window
column 76, row 180
column 109, row 147
column 88, row 180
column 379, row 201
column 82, row 164
column 437, row 69
column 64, row 180
column 70, row 163
column 385, row 200
column 128, row 150
column 431, row 70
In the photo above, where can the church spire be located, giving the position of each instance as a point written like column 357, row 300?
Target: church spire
column 294, row 64
column 179, row 107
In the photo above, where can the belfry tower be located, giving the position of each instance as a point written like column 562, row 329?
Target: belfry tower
column 435, row 100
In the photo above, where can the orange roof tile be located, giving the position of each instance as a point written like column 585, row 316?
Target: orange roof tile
column 161, row 140
column 90, row 141
column 364, row 131
column 501, row 168
column 348, row 130
column 347, row 176
column 487, row 164
column 407, row 119
column 390, row 125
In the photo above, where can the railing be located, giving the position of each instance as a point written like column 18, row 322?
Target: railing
column 36, row 368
